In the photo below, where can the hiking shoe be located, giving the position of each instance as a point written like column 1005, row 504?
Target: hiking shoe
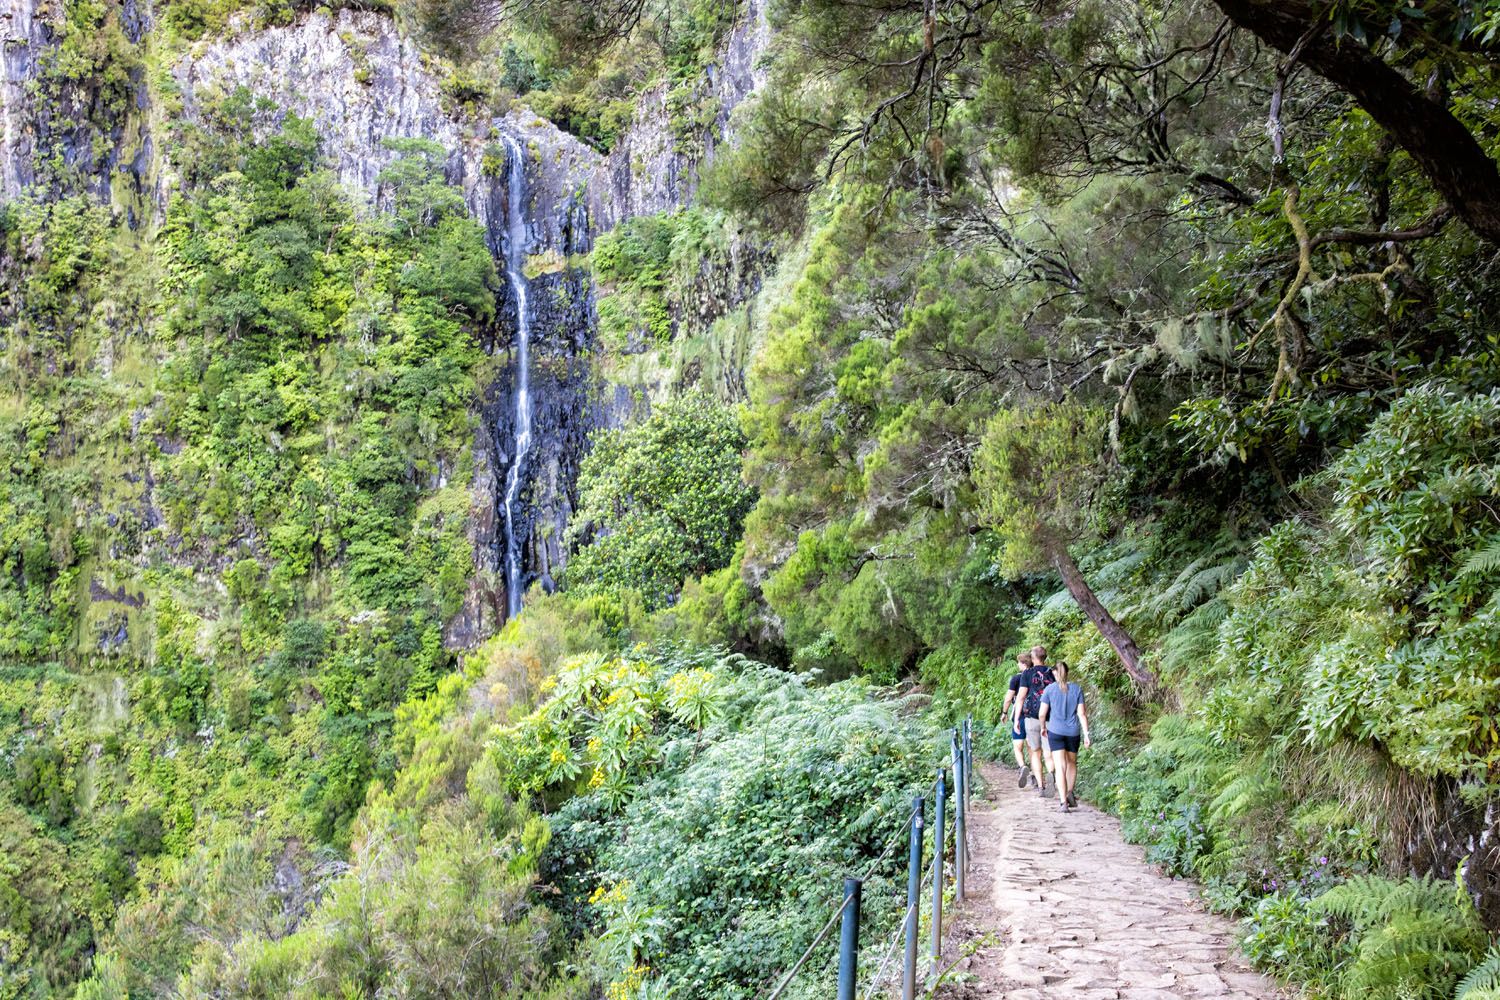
column 1072, row 801
column 1042, row 791
column 1063, row 807
column 1025, row 777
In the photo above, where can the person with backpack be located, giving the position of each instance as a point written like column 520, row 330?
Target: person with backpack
column 1034, row 680
column 1017, row 736
column 1065, row 724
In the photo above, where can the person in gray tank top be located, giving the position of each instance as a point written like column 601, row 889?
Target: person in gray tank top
column 1065, row 724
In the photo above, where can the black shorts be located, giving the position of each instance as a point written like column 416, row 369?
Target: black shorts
column 1068, row 743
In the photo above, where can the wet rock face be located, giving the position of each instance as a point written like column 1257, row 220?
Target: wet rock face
column 93, row 127
column 563, row 394
column 24, row 36
column 1458, row 838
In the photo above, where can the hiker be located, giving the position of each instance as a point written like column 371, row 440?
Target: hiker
column 1034, row 680
column 1017, row 735
column 1065, row 722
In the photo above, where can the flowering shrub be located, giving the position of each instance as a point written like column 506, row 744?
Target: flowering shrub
column 716, row 806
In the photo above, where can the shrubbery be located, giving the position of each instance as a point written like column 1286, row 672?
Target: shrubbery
column 710, row 809
column 660, row 501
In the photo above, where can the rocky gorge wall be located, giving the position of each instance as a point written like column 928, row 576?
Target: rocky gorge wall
column 362, row 81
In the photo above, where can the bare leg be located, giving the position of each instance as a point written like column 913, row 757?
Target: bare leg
column 1036, row 766
column 1060, row 774
column 1072, row 768
column 1017, row 746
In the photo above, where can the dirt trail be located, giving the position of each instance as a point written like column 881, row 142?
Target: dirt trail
column 1061, row 908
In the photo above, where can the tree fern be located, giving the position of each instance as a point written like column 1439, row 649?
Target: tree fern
column 1215, row 568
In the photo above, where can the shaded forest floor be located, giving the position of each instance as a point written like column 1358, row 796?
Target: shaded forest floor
column 1060, row 907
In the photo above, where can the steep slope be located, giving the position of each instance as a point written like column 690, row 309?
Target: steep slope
column 258, row 420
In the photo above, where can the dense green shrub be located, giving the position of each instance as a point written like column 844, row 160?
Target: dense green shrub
column 659, row 501
column 712, row 808
column 1286, row 934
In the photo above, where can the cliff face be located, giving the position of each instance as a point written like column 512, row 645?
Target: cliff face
column 23, row 38
column 654, row 166
column 361, row 81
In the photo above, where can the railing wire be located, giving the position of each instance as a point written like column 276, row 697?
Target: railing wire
column 903, row 833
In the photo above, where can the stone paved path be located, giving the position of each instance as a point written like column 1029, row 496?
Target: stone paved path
column 1061, row 908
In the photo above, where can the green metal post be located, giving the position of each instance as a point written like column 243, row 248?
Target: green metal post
column 913, row 898
column 939, row 848
column 849, row 939
column 960, row 853
column 969, row 754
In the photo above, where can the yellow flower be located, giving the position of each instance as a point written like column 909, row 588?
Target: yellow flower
column 629, row 986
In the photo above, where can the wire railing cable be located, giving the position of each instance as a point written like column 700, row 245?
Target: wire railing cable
column 903, row 832
column 896, row 938
column 797, row 967
column 786, row 980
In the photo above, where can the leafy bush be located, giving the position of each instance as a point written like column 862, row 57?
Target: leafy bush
column 1285, row 933
column 709, row 857
column 660, row 501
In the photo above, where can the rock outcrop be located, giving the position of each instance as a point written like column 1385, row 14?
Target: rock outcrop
column 654, row 164
column 24, row 36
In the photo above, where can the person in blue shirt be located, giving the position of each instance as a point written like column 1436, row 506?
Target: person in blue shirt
column 1065, row 723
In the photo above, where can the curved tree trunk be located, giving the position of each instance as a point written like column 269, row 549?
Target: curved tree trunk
column 1125, row 647
column 1442, row 146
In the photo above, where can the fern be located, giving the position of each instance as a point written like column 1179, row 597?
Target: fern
column 1244, row 794
column 1483, row 981
column 1482, row 561
column 1412, row 937
column 1215, row 568
column 1195, row 637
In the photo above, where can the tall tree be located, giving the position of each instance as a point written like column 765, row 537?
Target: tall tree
column 1334, row 41
column 1037, row 473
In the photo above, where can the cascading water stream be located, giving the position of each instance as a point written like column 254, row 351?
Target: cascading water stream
column 515, row 260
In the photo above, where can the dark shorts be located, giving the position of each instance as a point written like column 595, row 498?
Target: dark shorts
column 1068, row 743
column 1018, row 735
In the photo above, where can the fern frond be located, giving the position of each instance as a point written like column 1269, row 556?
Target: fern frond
column 1483, row 981
column 1244, row 794
column 1415, row 937
column 1482, row 561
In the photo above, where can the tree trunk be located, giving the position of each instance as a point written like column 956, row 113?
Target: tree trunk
column 1083, row 594
column 1442, row 146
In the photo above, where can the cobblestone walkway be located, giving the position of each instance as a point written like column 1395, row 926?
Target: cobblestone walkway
column 1061, row 908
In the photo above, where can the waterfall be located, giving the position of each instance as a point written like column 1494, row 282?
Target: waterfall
column 515, row 261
